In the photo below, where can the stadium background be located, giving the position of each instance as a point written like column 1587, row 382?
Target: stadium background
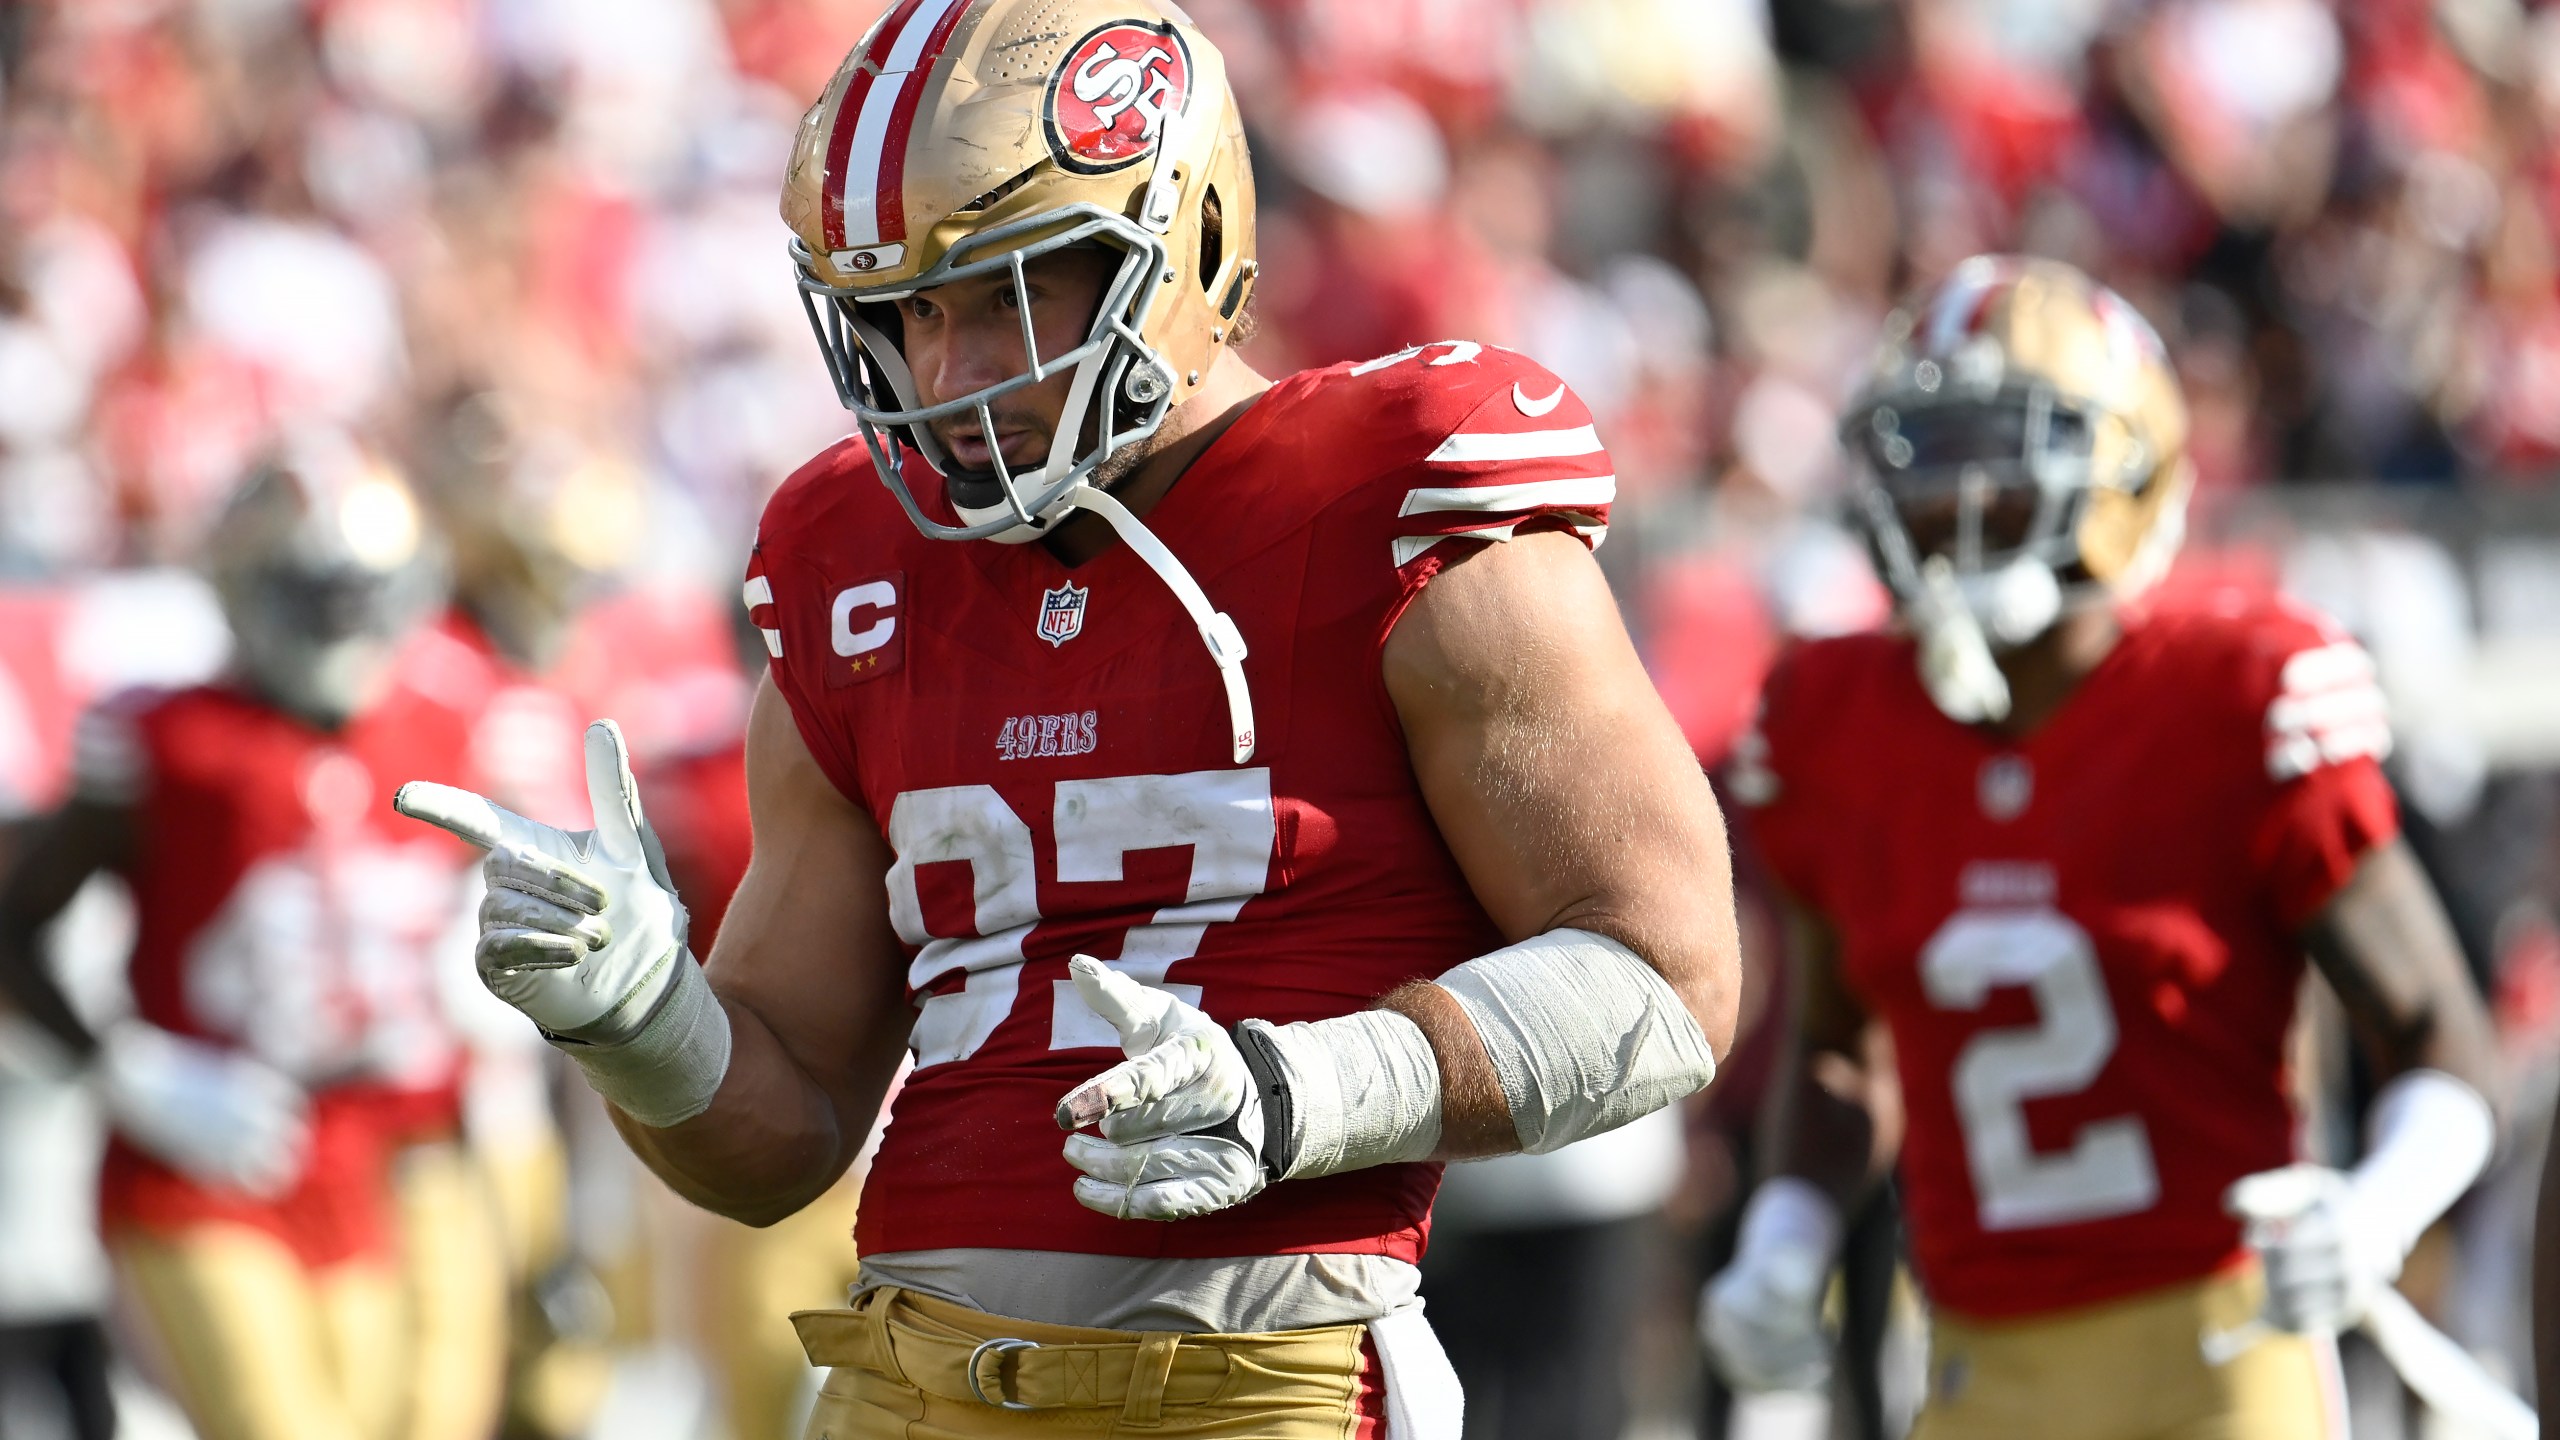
column 529, row 247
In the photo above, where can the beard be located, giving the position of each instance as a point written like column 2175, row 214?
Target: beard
column 982, row 489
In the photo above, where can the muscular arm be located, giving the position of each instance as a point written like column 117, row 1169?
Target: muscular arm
column 1830, row 1115
column 810, row 975
column 54, row 860
column 1564, row 790
column 2387, row 949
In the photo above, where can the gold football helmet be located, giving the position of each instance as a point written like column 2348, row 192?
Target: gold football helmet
column 964, row 137
column 2022, row 448
column 323, row 564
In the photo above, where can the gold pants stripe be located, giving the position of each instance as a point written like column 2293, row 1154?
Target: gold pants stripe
column 257, row 1347
column 901, row 1367
column 2132, row 1369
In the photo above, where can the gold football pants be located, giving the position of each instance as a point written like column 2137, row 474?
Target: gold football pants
column 905, row 1367
column 258, row 1347
column 2132, row 1369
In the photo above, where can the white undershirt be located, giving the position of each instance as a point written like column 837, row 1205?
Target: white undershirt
column 1236, row 1295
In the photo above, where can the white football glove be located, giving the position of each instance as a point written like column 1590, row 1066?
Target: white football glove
column 1761, row 1316
column 1181, row 1119
column 219, row 1116
column 581, row 930
column 2332, row 1241
column 2326, row 1256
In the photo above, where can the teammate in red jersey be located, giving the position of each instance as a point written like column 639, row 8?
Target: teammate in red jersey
column 1267, row 703
column 302, row 1242
column 2071, row 853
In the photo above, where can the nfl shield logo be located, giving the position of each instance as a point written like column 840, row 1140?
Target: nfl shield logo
column 1062, row 612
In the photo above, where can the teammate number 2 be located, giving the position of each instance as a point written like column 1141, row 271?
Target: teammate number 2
column 2108, row 1169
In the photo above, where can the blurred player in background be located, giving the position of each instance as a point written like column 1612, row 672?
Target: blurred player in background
column 2072, row 852
column 1025, row 237
column 304, row 1245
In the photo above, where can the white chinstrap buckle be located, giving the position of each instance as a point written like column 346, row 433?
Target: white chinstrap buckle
column 1002, row 1346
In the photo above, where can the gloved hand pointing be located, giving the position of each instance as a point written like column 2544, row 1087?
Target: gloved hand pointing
column 581, row 930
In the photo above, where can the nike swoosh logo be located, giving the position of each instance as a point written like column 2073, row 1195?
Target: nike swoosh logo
column 1535, row 408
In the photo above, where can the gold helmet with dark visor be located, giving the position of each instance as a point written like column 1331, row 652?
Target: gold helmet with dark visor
column 2020, row 447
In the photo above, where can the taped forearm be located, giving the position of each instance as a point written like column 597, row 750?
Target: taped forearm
column 1584, row 1034
column 1343, row 1094
column 1789, row 1216
column 667, row 1072
column 2429, row 1136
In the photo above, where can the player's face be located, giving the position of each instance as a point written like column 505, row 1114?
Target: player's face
column 1937, row 519
column 1965, row 488
column 967, row 335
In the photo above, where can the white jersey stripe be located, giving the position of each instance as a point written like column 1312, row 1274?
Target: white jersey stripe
column 2326, row 668
column 2347, row 705
column 758, row 591
column 871, row 129
column 1523, row 445
column 1409, row 547
column 1527, row 495
column 2299, row 752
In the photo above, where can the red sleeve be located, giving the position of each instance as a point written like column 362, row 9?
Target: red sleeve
column 2325, row 733
column 779, row 591
column 1521, row 455
column 1773, row 781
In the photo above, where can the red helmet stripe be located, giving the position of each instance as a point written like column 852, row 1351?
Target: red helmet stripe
column 889, row 201
column 838, row 152
column 872, row 122
column 857, row 90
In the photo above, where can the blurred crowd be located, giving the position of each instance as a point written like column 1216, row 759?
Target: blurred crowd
column 535, row 239
column 528, row 250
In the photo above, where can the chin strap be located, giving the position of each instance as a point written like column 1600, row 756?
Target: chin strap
column 1955, row 656
column 1225, row 642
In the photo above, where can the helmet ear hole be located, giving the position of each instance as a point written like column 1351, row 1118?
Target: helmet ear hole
column 1213, row 239
column 885, row 321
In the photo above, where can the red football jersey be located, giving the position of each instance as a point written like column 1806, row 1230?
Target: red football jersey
column 1048, row 754
column 2084, row 941
column 282, row 908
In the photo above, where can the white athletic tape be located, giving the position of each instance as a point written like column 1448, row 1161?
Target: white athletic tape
column 2429, row 1137
column 1583, row 1033
column 1364, row 1089
column 2443, row 1374
column 668, row 1072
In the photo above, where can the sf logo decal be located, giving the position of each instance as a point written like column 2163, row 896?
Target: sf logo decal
column 1109, row 99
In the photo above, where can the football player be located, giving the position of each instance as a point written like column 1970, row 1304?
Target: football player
column 304, row 1247
column 1281, row 738
column 2071, row 853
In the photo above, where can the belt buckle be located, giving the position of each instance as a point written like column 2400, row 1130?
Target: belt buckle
column 1002, row 1347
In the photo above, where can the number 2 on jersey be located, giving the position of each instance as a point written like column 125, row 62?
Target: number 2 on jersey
column 1223, row 815
column 2108, row 1169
